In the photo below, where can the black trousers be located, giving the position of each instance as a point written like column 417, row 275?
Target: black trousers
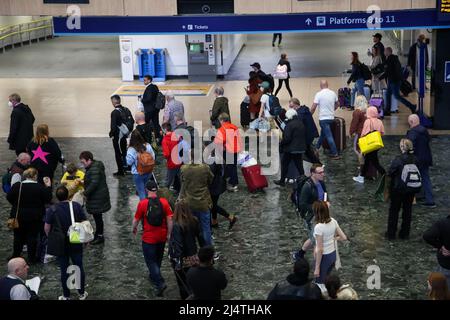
column 399, row 201
column 413, row 78
column 280, row 84
column 182, row 282
column 98, row 218
column 27, row 233
column 153, row 117
column 120, row 152
column 286, row 159
column 373, row 159
column 216, row 209
column 279, row 36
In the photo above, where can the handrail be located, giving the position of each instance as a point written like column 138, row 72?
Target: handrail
column 20, row 24
column 23, row 31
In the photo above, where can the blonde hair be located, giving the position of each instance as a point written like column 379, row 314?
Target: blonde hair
column 361, row 103
column 42, row 134
column 30, row 173
column 406, row 146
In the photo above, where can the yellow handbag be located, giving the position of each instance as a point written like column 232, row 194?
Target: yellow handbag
column 370, row 142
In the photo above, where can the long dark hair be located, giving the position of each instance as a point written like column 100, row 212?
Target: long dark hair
column 137, row 141
column 321, row 212
column 333, row 284
column 355, row 58
column 182, row 215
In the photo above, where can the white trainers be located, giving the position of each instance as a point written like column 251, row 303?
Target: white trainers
column 63, row 298
column 83, row 296
column 359, row 179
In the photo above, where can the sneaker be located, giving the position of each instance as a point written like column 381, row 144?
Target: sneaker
column 63, row 298
column 83, row 296
column 291, row 181
column 216, row 256
column 98, row 240
column 232, row 222
column 160, row 291
column 359, row 179
column 49, row 258
column 279, row 183
column 233, row 188
column 428, row 205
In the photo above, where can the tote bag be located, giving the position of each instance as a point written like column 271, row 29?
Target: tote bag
column 370, row 142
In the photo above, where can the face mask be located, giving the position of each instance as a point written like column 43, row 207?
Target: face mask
column 10, row 104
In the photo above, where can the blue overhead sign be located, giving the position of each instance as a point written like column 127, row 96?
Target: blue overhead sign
column 325, row 22
column 447, row 71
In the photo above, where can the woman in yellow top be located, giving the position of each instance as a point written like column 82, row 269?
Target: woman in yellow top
column 73, row 180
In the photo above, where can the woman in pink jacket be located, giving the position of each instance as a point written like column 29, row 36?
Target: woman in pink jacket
column 372, row 123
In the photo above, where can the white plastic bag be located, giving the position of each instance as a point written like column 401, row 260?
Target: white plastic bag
column 79, row 232
column 140, row 105
column 260, row 124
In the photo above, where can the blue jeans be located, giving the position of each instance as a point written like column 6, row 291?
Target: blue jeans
column 426, row 184
column 64, row 263
column 153, row 255
column 205, row 223
column 326, row 266
column 359, row 87
column 140, row 182
column 326, row 133
column 393, row 88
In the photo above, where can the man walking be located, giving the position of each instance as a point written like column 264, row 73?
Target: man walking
column 394, row 76
column 156, row 216
column 420, row 138
column 173, row 107
column 149, row 101
column 21, row 125
column 327, row 102
column 275, row 36
column 122, row 124
column 220, row 106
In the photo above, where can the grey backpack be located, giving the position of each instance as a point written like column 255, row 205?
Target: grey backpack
column 411, row 179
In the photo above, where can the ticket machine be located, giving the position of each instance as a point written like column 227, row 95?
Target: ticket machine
column 201, row 51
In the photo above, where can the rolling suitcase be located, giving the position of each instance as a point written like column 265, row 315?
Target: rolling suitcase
column 253, row 178
column 377, row 101
column 339, row 135
column 344, row 96
column 245, row 114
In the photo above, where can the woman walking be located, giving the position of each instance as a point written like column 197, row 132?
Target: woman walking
column 186, row 233
column 357, row 77
column 326, row 233
column 137, row 147
column 357, row 125
column 371, row 124
column 377, row 69
column 284, row 62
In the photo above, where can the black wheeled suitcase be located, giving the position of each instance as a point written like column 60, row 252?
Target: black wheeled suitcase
column 245, row 114
column 339, row 135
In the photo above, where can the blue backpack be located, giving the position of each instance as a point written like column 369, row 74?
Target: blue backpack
column 6, row 181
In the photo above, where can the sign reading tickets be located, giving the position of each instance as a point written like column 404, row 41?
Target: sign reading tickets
column 241, row 24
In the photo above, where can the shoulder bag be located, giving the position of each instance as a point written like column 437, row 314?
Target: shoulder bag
column 79, row 232
column 13, row 223
column 370, row 142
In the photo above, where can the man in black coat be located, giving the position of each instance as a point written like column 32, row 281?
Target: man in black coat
column 394, row 76
column 293, row 145
column 412, row 57
column 119, row 139
column 149, row 101
column 21, row 126
column 379, row 45
column 297, row 286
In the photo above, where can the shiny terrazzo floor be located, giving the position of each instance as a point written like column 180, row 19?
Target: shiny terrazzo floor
column 256, row 254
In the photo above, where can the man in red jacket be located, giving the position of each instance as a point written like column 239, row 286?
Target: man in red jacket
column 170, row 152
column 229, row 139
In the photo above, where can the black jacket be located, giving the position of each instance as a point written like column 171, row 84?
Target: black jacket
column 21, row 127
column 266, row 77
column 149, row 97
column 283, row 62
column 53, row 157
column 183, row 241
column 437, row 236
column 294, row 136
column 295, row 288
column 116, row 121
column 146, row 131
column 380, row 47
column 393, row 70
column 206, row 282
column 219, row 183
column 310, row 126
column 95, row 189
column 32, row 201
column 421, row 140
column 308, row 196
column 412, row 56
column 356, row 73
column 395, row 170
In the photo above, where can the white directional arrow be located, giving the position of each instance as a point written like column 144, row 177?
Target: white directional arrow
column 308, row 21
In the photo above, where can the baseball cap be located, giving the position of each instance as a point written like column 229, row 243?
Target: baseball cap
column 265, row 85
column 151, row 186
column 256, row 65
column 377, row 35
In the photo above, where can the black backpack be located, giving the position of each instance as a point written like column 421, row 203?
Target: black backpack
column 367, row 75
column 127, row 118
column 275, row 108
column 155, row 213
column 160, row 101
column 296, row 192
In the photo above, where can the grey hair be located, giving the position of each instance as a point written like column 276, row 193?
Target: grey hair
column 219, row 91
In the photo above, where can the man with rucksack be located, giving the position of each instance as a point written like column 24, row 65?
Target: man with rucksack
column 156, row 217
column 15, row 172
column 405, row 183
column 152, row 101
column 122, row 124
column 306, row 192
